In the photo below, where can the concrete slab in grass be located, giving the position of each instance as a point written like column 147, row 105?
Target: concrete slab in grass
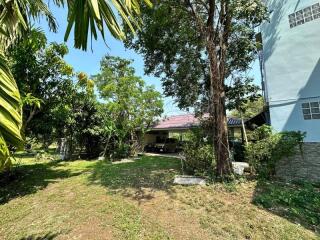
column 189, row 180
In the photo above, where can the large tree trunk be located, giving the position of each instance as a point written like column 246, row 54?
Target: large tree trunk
column 220, row 138
column 218, row 113
column 220, row 130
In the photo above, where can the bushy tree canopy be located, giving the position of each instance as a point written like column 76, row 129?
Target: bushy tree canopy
column 174, row 50
column 131, row 104
column 43, row 74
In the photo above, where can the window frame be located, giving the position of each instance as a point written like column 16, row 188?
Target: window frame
column 305, row 15
column 311, row 110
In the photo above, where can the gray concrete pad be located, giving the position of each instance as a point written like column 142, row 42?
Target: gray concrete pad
column 189, row 180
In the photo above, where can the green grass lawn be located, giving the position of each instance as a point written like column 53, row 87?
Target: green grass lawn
column 137, row 200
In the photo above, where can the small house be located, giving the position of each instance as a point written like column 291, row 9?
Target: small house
column 176, row 126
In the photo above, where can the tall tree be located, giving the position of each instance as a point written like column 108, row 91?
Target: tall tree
column 199, row 45
column 42, row 73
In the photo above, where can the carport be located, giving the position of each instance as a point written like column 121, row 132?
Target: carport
column 176, row 126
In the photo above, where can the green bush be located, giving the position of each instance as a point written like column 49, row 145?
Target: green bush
column 122, row 150
column 268, row 148
column 198, row 154
column 299, row 202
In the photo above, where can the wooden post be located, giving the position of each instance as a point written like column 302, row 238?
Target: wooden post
column 244, row 135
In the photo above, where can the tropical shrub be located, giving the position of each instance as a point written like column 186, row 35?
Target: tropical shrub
column 198, row 157
column 269, row 147
column 122, row 150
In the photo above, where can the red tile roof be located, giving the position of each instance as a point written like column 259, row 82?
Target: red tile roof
column 186, row 121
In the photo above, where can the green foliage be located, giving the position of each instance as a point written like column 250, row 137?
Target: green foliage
column 198, row 154
column 174, row 48
column 300, row 202
column 268, row 148
column 10, row 114
column 130, row 104
column 122, row 150
column 88, row 17
column 31, row 101
column 195, row 46
column 79, row 118
column 87, row 126
column 44, row 79
column 92, row 16
column 250, row 109
column 5, row 158
column 240, row 93
column 68, row 107
column 85, row 83
column 15, row 17
column 238, row 151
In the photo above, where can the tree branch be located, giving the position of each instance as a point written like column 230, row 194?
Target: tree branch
column 196, row 16
column 211, row 13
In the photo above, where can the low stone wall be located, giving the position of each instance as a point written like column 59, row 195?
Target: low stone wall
column 304, row 165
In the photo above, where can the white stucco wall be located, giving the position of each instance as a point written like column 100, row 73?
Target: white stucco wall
column 292, row 67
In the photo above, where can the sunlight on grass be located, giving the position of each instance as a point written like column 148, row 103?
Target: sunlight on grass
column 136, row 200
column 300, row 203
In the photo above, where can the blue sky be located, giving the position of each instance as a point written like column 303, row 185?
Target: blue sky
column 89, row 61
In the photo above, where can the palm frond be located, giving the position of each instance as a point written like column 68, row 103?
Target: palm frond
column 10, row 114
column 90, row 16
column 15, row 16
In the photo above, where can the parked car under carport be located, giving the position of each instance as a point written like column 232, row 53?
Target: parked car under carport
column 169, row 145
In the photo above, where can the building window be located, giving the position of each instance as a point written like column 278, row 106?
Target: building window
column 305, row 15
column 311, row 110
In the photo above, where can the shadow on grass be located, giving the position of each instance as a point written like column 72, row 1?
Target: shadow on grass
column 28, row 179
column 299, row 203
column 34, row 152
column 143, row 176
column 48, row 236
